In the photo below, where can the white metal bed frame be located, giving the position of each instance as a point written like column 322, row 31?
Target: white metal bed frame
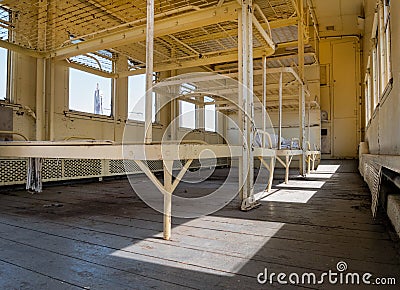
column 189, row 152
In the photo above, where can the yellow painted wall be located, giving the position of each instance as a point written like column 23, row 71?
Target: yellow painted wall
column 340, row 96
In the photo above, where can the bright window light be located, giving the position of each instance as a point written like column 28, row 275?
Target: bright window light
column 3, row 73
column 89, row 93
column 187, row 117
column 136, row 98
column 209, row 117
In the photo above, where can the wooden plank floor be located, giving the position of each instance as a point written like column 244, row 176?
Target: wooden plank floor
column 102, row 236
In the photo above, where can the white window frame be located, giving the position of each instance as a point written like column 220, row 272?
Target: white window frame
column 381, row 54
column 155, row 114
column 184, row 89
column 183, row 126
column 81, row 112
column 7, row 92
column 205, row 116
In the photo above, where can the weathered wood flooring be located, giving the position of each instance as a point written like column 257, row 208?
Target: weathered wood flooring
column 102, row 236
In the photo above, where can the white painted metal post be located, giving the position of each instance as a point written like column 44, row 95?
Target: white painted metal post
column 300, row 33
column 167, row 198
column 280, row 111
column 246, row 114
column 287, row 169
column 250, row 100
column 242, row 103
column 264, row 98
column 149, row 71
column 271, row 173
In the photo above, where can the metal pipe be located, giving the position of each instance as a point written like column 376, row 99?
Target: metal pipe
column 280, row 111
column 264, row 97
column 14, row 133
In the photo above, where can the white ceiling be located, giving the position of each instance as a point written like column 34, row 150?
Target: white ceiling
column 342, row 14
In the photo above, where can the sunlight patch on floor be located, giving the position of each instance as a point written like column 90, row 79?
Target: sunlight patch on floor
column 302, row 184
column 292, row 196
column 319, row 175
column 327, row 168
column 203, row 249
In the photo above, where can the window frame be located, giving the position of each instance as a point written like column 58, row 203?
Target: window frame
column 215, row 115
column 8, row 62
column 181, row 126
column 156, row 115
column 70, row 111
column 381, row 51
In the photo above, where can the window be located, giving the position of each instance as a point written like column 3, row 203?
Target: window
column 137, row 96
column 381, row 60
column 368, row 94
column 187, row 115
column 3, row 73
column 187, row 110
column 5, row 21
column 209, row 118
column 89, row 93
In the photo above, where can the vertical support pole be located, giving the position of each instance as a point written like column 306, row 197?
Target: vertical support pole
column 200, row 114
column 271, row 173
column 174, row 127
column 309, row 123
column 167, row 198
column 313, row 163
column 40, row 98
column 250, row 100
column 41, row 72
column 246, row 112
column 300, row 33
column 264, row 98
column 242, row 104
column 287, row 168
column 280, row 111
column 149, row 71
column 52, row 15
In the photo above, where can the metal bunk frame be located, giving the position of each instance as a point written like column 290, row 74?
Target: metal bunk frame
column 153, row 29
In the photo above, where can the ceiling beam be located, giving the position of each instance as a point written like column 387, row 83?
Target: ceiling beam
column 87, row 69
column 229, row 57
column 163, row 27
column 20, row 49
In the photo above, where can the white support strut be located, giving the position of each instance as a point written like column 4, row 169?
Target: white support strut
column 149, row 72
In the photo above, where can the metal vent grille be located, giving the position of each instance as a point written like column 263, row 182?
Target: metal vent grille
column 12, row 171
column 52, row 169
column 119, row 166
column 82, row 167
